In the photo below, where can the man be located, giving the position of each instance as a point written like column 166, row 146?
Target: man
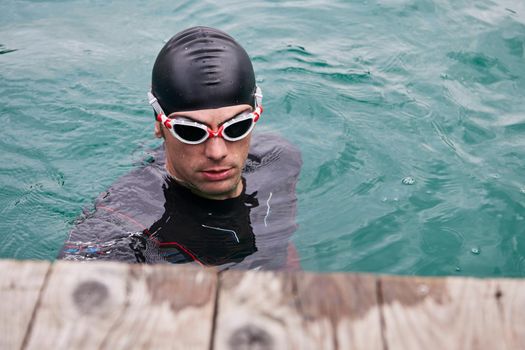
column 200, row 199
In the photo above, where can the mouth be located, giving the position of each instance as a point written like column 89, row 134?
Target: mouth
column 217, row 174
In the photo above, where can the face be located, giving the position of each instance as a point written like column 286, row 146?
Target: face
column 213, row 168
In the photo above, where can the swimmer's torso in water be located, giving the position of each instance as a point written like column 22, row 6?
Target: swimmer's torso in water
column 147, row 217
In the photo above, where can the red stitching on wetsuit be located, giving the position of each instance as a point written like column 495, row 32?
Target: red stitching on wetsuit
column 184, row 249
column 124, row 215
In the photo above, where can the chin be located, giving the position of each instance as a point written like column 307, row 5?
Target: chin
column 219, row 190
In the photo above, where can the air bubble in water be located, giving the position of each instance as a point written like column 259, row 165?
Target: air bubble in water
column 409, row 180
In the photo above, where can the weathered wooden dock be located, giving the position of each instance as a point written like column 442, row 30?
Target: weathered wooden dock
column 96, row 305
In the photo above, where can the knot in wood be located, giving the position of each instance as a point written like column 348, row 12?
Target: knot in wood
column 498, row 294
column 90, row 295
column 251, row 337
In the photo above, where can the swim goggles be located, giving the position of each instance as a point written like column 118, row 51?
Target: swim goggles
column 193, row 133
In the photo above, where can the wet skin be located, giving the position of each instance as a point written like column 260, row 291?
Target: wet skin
column 213, row 168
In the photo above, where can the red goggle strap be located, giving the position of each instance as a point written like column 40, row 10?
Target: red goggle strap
column 166, row 122
column 258, row 111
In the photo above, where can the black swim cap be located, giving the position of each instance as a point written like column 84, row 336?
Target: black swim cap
column 201, row 68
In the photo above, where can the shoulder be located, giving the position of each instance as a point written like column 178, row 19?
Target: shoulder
column 273, row 151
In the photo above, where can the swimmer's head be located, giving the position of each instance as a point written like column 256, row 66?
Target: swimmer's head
column 206, row 104
column 202, row 68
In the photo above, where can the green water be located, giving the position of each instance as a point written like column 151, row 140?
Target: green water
column 409, row 115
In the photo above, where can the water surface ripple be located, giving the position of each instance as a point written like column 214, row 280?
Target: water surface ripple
column 408, row 113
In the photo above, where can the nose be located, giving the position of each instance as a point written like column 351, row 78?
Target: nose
column 216, row 148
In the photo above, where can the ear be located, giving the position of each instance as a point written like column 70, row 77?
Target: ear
column 159, row 133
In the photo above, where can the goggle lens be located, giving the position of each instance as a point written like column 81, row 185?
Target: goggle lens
column 190, row 133
column 239, row 129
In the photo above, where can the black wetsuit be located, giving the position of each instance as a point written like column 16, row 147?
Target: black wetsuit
column 148, row 217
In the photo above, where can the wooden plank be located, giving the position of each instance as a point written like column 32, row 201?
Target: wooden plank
column 20, row 285
column 269, row 310
column 453, row 313
column 117, row 306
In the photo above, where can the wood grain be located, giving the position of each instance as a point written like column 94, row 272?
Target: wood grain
column 95, row 305
column 117, row 306
column 453, row 313
column 20, row 286
column 269, row 310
